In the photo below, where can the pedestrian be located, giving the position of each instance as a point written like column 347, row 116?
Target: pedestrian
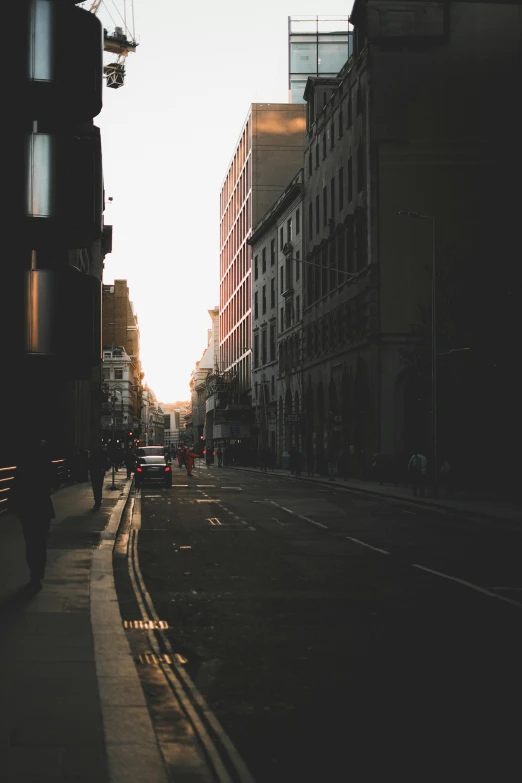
column 417, row 472
column 30, row 500
column 310, row 460
column 190, row 456
column 219, row 456
column 130, row 461
column 99, row 463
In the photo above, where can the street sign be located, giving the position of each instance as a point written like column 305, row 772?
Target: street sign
column 292, row 418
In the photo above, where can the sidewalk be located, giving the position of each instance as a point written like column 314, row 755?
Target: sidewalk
column 459, row 502
column 58, row 645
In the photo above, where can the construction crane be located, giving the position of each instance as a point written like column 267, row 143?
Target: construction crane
column 121, row 41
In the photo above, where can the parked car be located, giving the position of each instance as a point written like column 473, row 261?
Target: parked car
column 152, row 467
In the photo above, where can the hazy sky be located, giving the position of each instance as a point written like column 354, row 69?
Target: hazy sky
column 168, row 136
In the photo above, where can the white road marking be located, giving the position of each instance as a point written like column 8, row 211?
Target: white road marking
column 468, row 584
column 233, row 755
column 300, row 516
column 363, row 543
column 278, row 520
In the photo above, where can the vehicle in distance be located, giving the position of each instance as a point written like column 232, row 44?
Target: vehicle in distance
column 152, row 467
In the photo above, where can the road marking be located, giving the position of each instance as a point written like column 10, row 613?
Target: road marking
column 300, row 516
column 363, row 543
column 197, row 709
column 278, row 520
column 468, row 584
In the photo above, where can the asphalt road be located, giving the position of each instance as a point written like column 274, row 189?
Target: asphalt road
column 328, row 634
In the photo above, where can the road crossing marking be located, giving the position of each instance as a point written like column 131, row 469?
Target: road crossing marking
column 363, row 543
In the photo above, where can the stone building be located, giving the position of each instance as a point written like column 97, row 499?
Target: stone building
column 120, row 328
column 404, row 127
column 277, row 312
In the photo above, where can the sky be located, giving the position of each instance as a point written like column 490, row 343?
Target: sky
column 168, row 136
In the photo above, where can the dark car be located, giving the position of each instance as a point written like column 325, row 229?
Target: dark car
column 152, row 467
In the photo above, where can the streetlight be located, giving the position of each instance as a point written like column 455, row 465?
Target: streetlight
column 420, row 216
column 113, row 401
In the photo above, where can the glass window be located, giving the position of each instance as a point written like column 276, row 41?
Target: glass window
column 325, row 207
column 256, row 267
column 309, row 164
column 256, row 304
column 272, row 292
column 297, row 222
column 256, row 350
column 303, row 57
column 263, row 347
column 332, row 56
column 340, row 120
column 272, row 252
column 310, row 221
column 341, row 189
column 317, row 215
column 272, row 347
column 324, row 144
column 317, row 154
column 281, row 238
column 118, row 375
column 332, row 135
column 273, row 384
column 282, row 319
column 332, row 198
column 361, row 169
column 297, row 88
column 297, row 308
column 350, row 179
column 282, row 281
column 289, row 230
column 264, row 299
column 297, row 265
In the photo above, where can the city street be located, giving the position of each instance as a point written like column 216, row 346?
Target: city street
column 337, row 636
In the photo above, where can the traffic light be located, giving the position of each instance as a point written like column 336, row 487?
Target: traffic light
column 131, row 434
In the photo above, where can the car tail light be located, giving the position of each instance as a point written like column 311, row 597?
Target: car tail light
column 139, row 470
column 167, row 470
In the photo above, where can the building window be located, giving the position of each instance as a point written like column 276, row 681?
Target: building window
column 340, row 120
column 341, row 190
column 325, row 207
column 106, row 375
column 273, row 385
column 361, row 169
column 310, row 221
column 317, row 154
column 297, row 308
column 332, row 198
column 118, row 375
column 324, row 144
column 272, row 346
column 256, row 350
column 288, row 264
column 256, row 268
column 317, row 215
column 256, row 304
column 289, row 230
column 350, row 109
column 263, row 346
column 272, row 252
column 282, row 274
column 297, row 222
column 297, row 265
column 272, row 293
column 264, row 300
column 281, row 238
column 310, row 163
column 282, row 319
column 332, row 136
column 350, row 179
column 263, row 260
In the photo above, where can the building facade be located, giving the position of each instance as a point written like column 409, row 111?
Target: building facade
column 267, row 155
column 392, row 134
column 119, row 420
column 205, row 367
column 277, row 320
column 317, row 46
column 120, row 328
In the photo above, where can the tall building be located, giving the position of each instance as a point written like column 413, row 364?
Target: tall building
column 268, row 154
column 317, row 46
column 120, row 328
column 403, row 128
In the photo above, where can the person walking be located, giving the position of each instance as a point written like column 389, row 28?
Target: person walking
column 219, row 456
column 30, row 500
column 417, row 472
column 98, row 463
column 190, row 456
column 130, row 461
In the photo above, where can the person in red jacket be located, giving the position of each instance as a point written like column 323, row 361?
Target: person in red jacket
column 190, row 456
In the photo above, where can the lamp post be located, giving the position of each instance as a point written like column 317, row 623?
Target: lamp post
column 419, row 216
column 113, row 401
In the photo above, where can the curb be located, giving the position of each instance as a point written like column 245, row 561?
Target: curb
column 411, row 502
column 131, row 745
